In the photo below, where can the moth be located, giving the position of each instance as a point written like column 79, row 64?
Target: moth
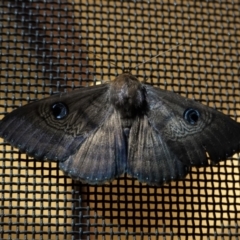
column 100, row 132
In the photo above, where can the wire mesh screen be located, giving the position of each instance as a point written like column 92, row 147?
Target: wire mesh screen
column 56, row 46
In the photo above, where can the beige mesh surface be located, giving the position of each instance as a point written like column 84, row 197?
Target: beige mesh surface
column 51, row 46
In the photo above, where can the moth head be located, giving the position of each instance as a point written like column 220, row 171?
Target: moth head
column 128, row 95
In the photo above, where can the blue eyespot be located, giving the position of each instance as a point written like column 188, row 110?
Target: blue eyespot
column 59, row 110
column 191, row 115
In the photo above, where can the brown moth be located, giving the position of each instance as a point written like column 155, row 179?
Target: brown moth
column 100, row 132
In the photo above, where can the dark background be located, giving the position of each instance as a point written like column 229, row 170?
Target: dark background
column 51, row 46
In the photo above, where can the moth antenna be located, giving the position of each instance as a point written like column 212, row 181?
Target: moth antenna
column 102, row 59
column 156, row 56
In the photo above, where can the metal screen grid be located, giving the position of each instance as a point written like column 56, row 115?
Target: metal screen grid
column 52, row 46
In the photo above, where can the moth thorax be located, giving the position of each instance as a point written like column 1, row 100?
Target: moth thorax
column 128, row 95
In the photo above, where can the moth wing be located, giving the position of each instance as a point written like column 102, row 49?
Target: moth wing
column 102, row 156
column 213, row 133
column 35, row 130
column 149, row 158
